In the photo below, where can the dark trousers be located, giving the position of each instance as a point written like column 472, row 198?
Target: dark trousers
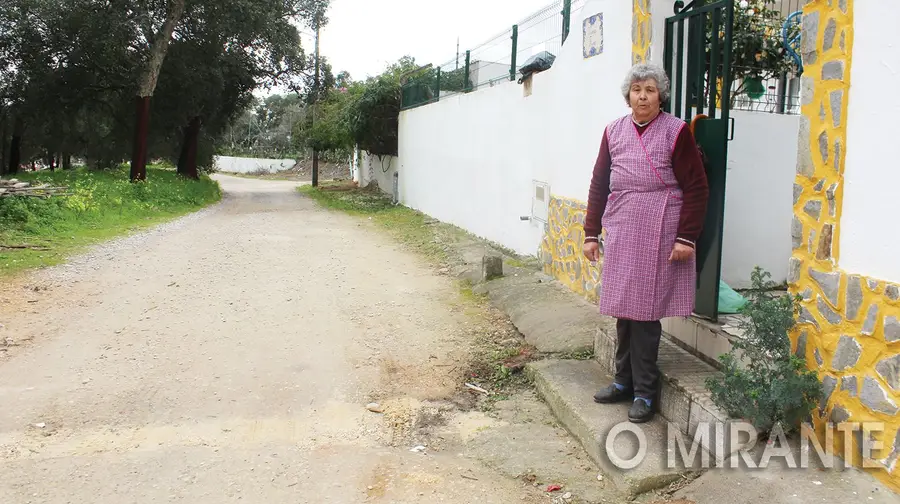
column 636, row 352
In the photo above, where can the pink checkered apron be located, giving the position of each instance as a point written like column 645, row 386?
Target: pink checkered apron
column 641, row 221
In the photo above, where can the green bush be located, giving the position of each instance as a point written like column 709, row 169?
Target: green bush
column 764, row 382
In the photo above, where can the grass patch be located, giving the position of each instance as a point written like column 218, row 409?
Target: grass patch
column 409, row 227
column 101, row 205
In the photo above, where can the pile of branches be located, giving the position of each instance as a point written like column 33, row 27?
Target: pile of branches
column 13, row 187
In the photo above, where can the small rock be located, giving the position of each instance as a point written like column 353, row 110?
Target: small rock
column 599, row 477
column 418, row 449
column 85, row 381
column 40, row 425
column 375, row 407
column 567, row 495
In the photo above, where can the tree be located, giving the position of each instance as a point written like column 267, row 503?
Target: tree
column 147, row 85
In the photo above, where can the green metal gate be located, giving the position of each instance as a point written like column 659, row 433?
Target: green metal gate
column 698, row 45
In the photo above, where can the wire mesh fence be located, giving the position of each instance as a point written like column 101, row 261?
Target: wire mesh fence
column 496, row 60
column 765, row 65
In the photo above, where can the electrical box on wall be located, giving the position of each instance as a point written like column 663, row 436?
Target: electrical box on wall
column 540, row 202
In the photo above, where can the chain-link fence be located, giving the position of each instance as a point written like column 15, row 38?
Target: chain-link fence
column 496, row 60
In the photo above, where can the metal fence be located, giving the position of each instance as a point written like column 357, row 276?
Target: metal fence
column 765, row 78
column 497, row 60
column 765, row 72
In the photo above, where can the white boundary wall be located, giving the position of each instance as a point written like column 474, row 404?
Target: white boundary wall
column 472, row 159
column 871, row 178
column 229, row 164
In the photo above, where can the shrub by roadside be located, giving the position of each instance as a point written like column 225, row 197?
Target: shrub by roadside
column 100, row 205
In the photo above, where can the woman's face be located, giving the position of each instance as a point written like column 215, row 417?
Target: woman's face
column 644, row 98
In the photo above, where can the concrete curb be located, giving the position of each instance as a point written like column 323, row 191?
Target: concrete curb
column 568, row 387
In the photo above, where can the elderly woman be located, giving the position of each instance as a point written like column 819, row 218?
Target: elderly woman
column 648, row 193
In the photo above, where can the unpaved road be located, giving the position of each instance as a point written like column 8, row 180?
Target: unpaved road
column 229, row 356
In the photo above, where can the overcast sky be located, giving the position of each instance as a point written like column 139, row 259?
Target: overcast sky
column 364, row 36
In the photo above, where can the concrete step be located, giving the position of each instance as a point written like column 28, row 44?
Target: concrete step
column 685, row 400
column 568, row 387
column 704, row 339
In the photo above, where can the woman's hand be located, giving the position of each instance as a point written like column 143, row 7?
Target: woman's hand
column 591, row 251
column 681, row 252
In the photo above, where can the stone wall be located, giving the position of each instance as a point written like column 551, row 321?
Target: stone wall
column 641, row 32
column 561, row 249
column 849, row 328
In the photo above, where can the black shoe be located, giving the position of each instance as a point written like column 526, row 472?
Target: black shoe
column 640, row 412
column 611, row 395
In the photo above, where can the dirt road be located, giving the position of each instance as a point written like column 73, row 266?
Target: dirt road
column 229, row 357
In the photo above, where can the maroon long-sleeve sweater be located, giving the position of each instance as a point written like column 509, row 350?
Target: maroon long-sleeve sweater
column 687, row 165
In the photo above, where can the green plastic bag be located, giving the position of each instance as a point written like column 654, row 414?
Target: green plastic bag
column 730, row 302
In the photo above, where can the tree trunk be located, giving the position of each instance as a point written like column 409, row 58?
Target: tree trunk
column 147, row 85
column 315, row 166
column 15, row 153
column 66, row 161
column 3, row 147
column 139, row 149
column 187, row 162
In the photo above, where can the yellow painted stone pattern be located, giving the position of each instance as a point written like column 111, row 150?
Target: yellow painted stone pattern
column 849, row 330
column 641, row 32
column 561, row 248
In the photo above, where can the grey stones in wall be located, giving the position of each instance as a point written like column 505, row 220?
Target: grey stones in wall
column 833, row 70
column 824, row 251
column 794, row 271
column 836, row 98
column 849, row 384
column 829, row 383
column 891, row 329
column 830, row 34
column 829, row 194
column 892, row 292
column 830, row 315
column 810, row 34
column 797, row 232
column 823, row 146
column 813, row 208
column 829, row 283
column 871, row 320
column 889, row 370
column 801, row 345
column 854, row 296
column 874, row 397
column 847, row 354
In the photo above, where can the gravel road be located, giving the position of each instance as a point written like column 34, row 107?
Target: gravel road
column 229, row 357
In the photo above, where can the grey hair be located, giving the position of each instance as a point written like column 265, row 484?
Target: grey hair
column 646, row 71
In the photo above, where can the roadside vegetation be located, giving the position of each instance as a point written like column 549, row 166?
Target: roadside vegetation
column 100, row 204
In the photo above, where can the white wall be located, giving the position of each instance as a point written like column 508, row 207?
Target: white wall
column 230, row 164
column 868, row 238
column 378, row 170
column 762, row 161
column 471, row 159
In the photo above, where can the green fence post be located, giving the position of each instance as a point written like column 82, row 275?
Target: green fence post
column 567, row 18
column 515, row 49
column 437, row 90
column 466, row 86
